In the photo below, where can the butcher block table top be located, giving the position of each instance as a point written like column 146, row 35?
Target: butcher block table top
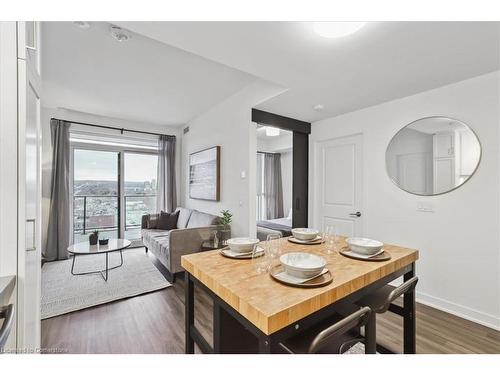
column 270, row 305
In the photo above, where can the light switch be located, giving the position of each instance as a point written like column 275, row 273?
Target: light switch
column 424, row 206
column 243, row 175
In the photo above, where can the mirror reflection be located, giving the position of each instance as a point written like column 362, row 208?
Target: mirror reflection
column 433, row 155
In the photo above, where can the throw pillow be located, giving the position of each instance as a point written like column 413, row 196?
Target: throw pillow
column 168, row 221
column 152, row 221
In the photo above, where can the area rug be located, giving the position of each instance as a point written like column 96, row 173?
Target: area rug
column 63, row 292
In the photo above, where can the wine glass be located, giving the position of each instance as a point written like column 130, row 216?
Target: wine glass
column 331, row 238
column 273, row 245
column 260, row 259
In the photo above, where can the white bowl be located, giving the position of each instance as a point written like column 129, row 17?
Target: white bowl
column 303, row 265
column 242, row 244
column 365, row 246
column 305, row 234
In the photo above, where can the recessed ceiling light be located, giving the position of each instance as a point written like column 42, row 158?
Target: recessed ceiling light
column 336, row 29
column 120, row 34
column 82, row 24
column 272, row 132
column 318, row 107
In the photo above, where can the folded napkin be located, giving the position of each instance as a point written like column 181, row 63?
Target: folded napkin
column 283, row 276
column 363, row 256
column 234, row 254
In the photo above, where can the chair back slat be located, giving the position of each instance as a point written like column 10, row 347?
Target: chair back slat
column 406, row 287
column 357, row 319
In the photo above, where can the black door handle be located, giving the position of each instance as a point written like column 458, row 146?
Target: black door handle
column 356, row 214
column 7, row 314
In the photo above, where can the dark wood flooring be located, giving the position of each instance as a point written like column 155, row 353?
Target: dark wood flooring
column 154, row 323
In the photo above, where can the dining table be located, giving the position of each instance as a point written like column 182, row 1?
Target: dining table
column 254, row 313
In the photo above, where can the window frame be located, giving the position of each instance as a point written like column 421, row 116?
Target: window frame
column 121, row 150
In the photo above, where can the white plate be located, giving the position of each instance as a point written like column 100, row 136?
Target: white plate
column 302, row 265
column 242, row 244
column 287, row 278
column 314, row 241
column 232, row 254
column 305, row 234
column 363, row 256
column 364, row 246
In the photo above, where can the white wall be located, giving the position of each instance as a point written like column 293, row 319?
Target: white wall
column 458, row 242
column 229, row 125
column 64, row 114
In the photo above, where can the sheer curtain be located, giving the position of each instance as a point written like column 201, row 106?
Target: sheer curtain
column 59, row 231
column 167, row 198
column 270, row 186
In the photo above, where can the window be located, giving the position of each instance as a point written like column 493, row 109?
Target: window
column 114, row 184
column 95, row 193
column 139, row 190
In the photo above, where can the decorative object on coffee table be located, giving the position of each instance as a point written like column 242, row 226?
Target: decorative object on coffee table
column 93, row 237
column 204, row 174
column 84, row 248
column 103, row 241
column 225, row 222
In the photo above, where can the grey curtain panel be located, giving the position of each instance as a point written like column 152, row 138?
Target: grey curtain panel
column 273, row 186
column 167, row 197
column 59, row 232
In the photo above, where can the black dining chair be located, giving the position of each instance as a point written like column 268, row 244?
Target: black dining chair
column 7, row 314
column 381, row 300
column 316, row 339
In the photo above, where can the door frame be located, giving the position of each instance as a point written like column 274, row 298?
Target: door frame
column 316, row 191
column 300, row 179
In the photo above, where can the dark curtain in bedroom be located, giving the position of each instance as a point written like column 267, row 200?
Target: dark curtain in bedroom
column 273, row 186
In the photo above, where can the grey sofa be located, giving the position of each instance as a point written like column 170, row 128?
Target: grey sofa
column 193, row 228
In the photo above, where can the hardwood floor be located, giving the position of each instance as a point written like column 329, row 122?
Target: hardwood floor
column 154, row 323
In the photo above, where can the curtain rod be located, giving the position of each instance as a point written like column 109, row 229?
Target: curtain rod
column 111, row 127
column 270, row 153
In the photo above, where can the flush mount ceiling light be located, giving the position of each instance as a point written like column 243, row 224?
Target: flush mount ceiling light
column 120, row 34
column 271, row 132
column 336, row 29
column 82, row 24
column 318, row 107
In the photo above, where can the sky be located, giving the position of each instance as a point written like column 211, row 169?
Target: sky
column 103, row 166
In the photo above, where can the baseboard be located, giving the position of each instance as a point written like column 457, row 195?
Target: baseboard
column 475, row 316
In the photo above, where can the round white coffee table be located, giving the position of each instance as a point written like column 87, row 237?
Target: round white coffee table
column 84, row 248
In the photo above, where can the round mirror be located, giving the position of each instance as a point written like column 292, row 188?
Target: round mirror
column 433, row 155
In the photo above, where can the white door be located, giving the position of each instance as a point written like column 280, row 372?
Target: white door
column 29, row 204
column 339, row 185
column 415, row 172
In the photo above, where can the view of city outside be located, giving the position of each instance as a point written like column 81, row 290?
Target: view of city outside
column 96, row 192
column 140, row 190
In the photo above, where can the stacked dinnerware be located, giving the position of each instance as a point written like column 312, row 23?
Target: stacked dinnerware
column 302, row 265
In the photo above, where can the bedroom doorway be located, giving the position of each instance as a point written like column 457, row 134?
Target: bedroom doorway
column 274, row 181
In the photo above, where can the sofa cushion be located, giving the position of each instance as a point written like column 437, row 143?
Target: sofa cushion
column 184, row 215
column 201, row 219
column 149, row 234
column 168, row 221
column 160, row 248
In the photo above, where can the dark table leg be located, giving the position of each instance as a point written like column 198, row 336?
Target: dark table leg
column 73, row 264
column 189, row 313
column 264, row 345
column 410, row 335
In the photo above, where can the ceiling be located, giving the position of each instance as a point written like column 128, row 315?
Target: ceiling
column 170, row 72
column 141, row 80
column 381, row 62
